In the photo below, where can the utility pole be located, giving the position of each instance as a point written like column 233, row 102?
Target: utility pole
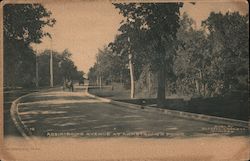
column 51, row 66
column 37, row 76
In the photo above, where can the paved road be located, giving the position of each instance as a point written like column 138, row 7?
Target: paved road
column 9, row 96
column 75, row 113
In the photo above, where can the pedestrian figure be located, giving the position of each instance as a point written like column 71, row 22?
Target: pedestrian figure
column 68, row 85
column 81, row 81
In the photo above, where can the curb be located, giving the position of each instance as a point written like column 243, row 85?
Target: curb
column 187, row 115
column 25, row 132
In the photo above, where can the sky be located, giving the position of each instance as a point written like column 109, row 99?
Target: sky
column 83, row 27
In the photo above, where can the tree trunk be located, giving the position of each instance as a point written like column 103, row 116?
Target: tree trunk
column 197, row 84
column 100, row 80
column 203, row 85
column 149, row 83
column 161, row 85
column 132, row 82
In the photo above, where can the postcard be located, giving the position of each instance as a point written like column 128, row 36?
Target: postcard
column 124, row 80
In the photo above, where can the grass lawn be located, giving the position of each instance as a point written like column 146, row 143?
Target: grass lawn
column 115, row 92
column 231, row 106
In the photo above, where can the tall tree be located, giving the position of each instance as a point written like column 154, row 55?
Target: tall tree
column 229, row 37
column 193, row 58
column 122, row 47
column 160, row 22
column 23, row 24
column 213, row 60
column 63, row 66
column 110, row 67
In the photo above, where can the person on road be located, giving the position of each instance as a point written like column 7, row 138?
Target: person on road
column 70, row 85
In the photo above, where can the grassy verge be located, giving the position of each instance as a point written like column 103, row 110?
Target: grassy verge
column 116, row 91
column 233, row 107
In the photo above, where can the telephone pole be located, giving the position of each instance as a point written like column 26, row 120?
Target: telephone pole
column 51, row 66
column 37, row 76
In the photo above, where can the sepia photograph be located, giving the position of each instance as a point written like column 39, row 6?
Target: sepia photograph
column 124, row 80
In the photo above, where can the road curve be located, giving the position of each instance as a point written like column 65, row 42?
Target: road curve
column 71, row 114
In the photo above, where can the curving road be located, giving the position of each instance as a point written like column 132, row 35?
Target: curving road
column 58, row 113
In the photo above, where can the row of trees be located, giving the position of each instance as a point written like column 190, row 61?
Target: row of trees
column 63, row 68
column 154, row 39
column 213, row 60
column 108, row 68
column 23, row 25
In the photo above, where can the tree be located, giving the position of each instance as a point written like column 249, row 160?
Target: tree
column 159, row 22
column 109, row 67
column 229, row 37
column 193, row 59
column 22, row 24
column 64, row 68
column 214, row 59
column 92, row 75
column 122, row 47
column 25, row 21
